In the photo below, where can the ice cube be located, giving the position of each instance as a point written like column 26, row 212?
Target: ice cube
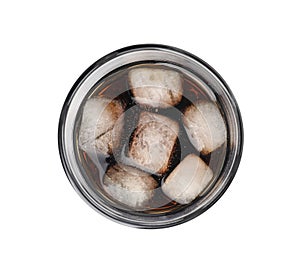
column 101, row 125
column 189, row 178
column 152, row 142
column 157, row 88
column 129, row 186
column 205, row 126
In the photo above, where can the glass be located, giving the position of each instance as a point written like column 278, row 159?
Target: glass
column 93, row 169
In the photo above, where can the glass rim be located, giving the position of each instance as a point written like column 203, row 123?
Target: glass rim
column 118, row 215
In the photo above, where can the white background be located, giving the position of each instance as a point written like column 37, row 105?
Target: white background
column 47, row 229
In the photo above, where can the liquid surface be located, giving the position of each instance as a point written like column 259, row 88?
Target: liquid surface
column 116, row 86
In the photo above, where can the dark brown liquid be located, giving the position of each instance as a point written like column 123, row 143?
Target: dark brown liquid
column 116, row 87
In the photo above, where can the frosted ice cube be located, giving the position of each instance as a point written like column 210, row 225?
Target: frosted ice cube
column 156, row 87
column 189, row 178
column 205, row 126
column 129, row 185
column 101, row 125
column 152, row 142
